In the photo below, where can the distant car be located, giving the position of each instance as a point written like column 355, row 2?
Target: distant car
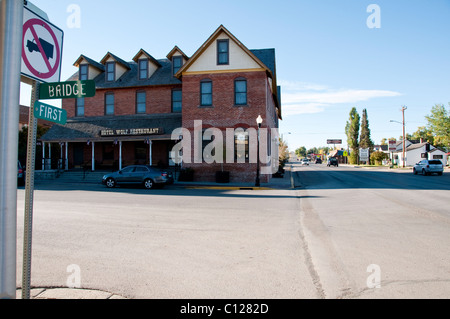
column 305, row 161
column 145, row 175
column 332, row 161
column 318, row 161
column 428, row 167
column 20, row 174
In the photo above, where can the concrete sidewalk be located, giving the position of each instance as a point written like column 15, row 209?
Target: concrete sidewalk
column 68, row 293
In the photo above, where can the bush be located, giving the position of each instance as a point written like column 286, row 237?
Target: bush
column 378, row 157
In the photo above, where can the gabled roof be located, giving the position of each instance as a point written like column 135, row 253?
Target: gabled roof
column 116, row 58
column 152, row 59
column 174, row 50
column 210, row 40
column 95, row 64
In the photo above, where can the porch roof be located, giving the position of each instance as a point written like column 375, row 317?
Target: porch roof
column 135, row 126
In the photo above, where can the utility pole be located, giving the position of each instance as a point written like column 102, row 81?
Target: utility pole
column 404, row 136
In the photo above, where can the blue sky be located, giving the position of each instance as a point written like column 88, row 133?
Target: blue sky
column 328, row 59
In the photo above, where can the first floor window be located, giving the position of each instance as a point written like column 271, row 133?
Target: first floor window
column 206, row 93
column 241, row 146
column 176, row 101
column 109, row 104
column 79, row 106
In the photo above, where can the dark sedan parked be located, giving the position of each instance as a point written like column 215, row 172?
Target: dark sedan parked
column 136, row 174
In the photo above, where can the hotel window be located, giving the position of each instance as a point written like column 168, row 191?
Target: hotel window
column 206, row 93
column 109, row 104
column 177, row 63
column 110, row 72
column 240, row 91
column 140, row 102
column 143, row 69
column 176, row 101
column 79, row 102
column 223, row 51
column 83, row 76
column 241, row 146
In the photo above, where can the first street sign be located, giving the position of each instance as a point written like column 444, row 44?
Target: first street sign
column 67, row 90
column 50, row 113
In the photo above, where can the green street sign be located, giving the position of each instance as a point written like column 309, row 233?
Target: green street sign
column 50, row 113
column 67, row 90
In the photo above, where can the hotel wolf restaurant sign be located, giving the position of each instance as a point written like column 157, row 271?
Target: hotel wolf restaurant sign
column 132, row 132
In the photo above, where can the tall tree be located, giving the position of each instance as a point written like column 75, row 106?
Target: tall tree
column 352, row 132
column 301, row 151
column 424, row 134
column 364, row 139
column 439, row 124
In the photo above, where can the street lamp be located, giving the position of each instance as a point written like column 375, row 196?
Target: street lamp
column 259, row 121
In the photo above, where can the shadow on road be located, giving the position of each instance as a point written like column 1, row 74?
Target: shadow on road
column 360, row 178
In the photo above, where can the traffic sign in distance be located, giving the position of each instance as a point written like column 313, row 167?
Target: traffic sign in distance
column 42, row 44
column 67, row 90
column 49, row 113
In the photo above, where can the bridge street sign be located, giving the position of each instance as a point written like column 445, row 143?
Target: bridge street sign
column 50, row 113
column 67, row 90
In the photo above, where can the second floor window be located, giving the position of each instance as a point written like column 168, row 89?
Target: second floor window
column 83, row 72
column 177, row 63
column 143, row 69
column 79, row 109
column 109, row 104
column 206, row 93
column 222, row 51
column 140, row 102
column 176, row 101
column 110, row 72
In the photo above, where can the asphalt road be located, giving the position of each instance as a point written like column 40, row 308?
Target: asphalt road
column 316, row 241
column 376, row 233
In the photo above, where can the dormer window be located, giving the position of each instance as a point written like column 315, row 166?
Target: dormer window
column 223, row 52
column 177, row 62
column 83, row 76
column 110, row 71
column 143, row 69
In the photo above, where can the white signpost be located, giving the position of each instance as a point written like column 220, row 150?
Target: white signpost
column 42, row 44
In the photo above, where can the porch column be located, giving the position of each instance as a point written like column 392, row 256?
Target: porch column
column 93, row 156
column 43, row 156
column 120, row 155
column 50, row 155
column 150, row 151
column 66, row 164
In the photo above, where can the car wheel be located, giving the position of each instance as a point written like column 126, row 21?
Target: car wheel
column 110, row 183
column 424, row 173
column 414, row 171
column 148, row 183
column 440, row 173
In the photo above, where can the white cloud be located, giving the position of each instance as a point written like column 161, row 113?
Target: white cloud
column 307, row 98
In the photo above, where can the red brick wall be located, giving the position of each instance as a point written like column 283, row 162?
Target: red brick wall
column 158, row 98
column 224, row 114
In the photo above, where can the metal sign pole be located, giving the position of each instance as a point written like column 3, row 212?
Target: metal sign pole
column 11, row 18
column 29, row 192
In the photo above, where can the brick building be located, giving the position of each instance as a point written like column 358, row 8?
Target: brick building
column 139, row 104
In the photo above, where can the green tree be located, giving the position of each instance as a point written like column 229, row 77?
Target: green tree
column 439, row 125
column 364, row 139
column 352, row 132
column 423, row 133
column 301, row 151
column 378, row 157
column 283, row 152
